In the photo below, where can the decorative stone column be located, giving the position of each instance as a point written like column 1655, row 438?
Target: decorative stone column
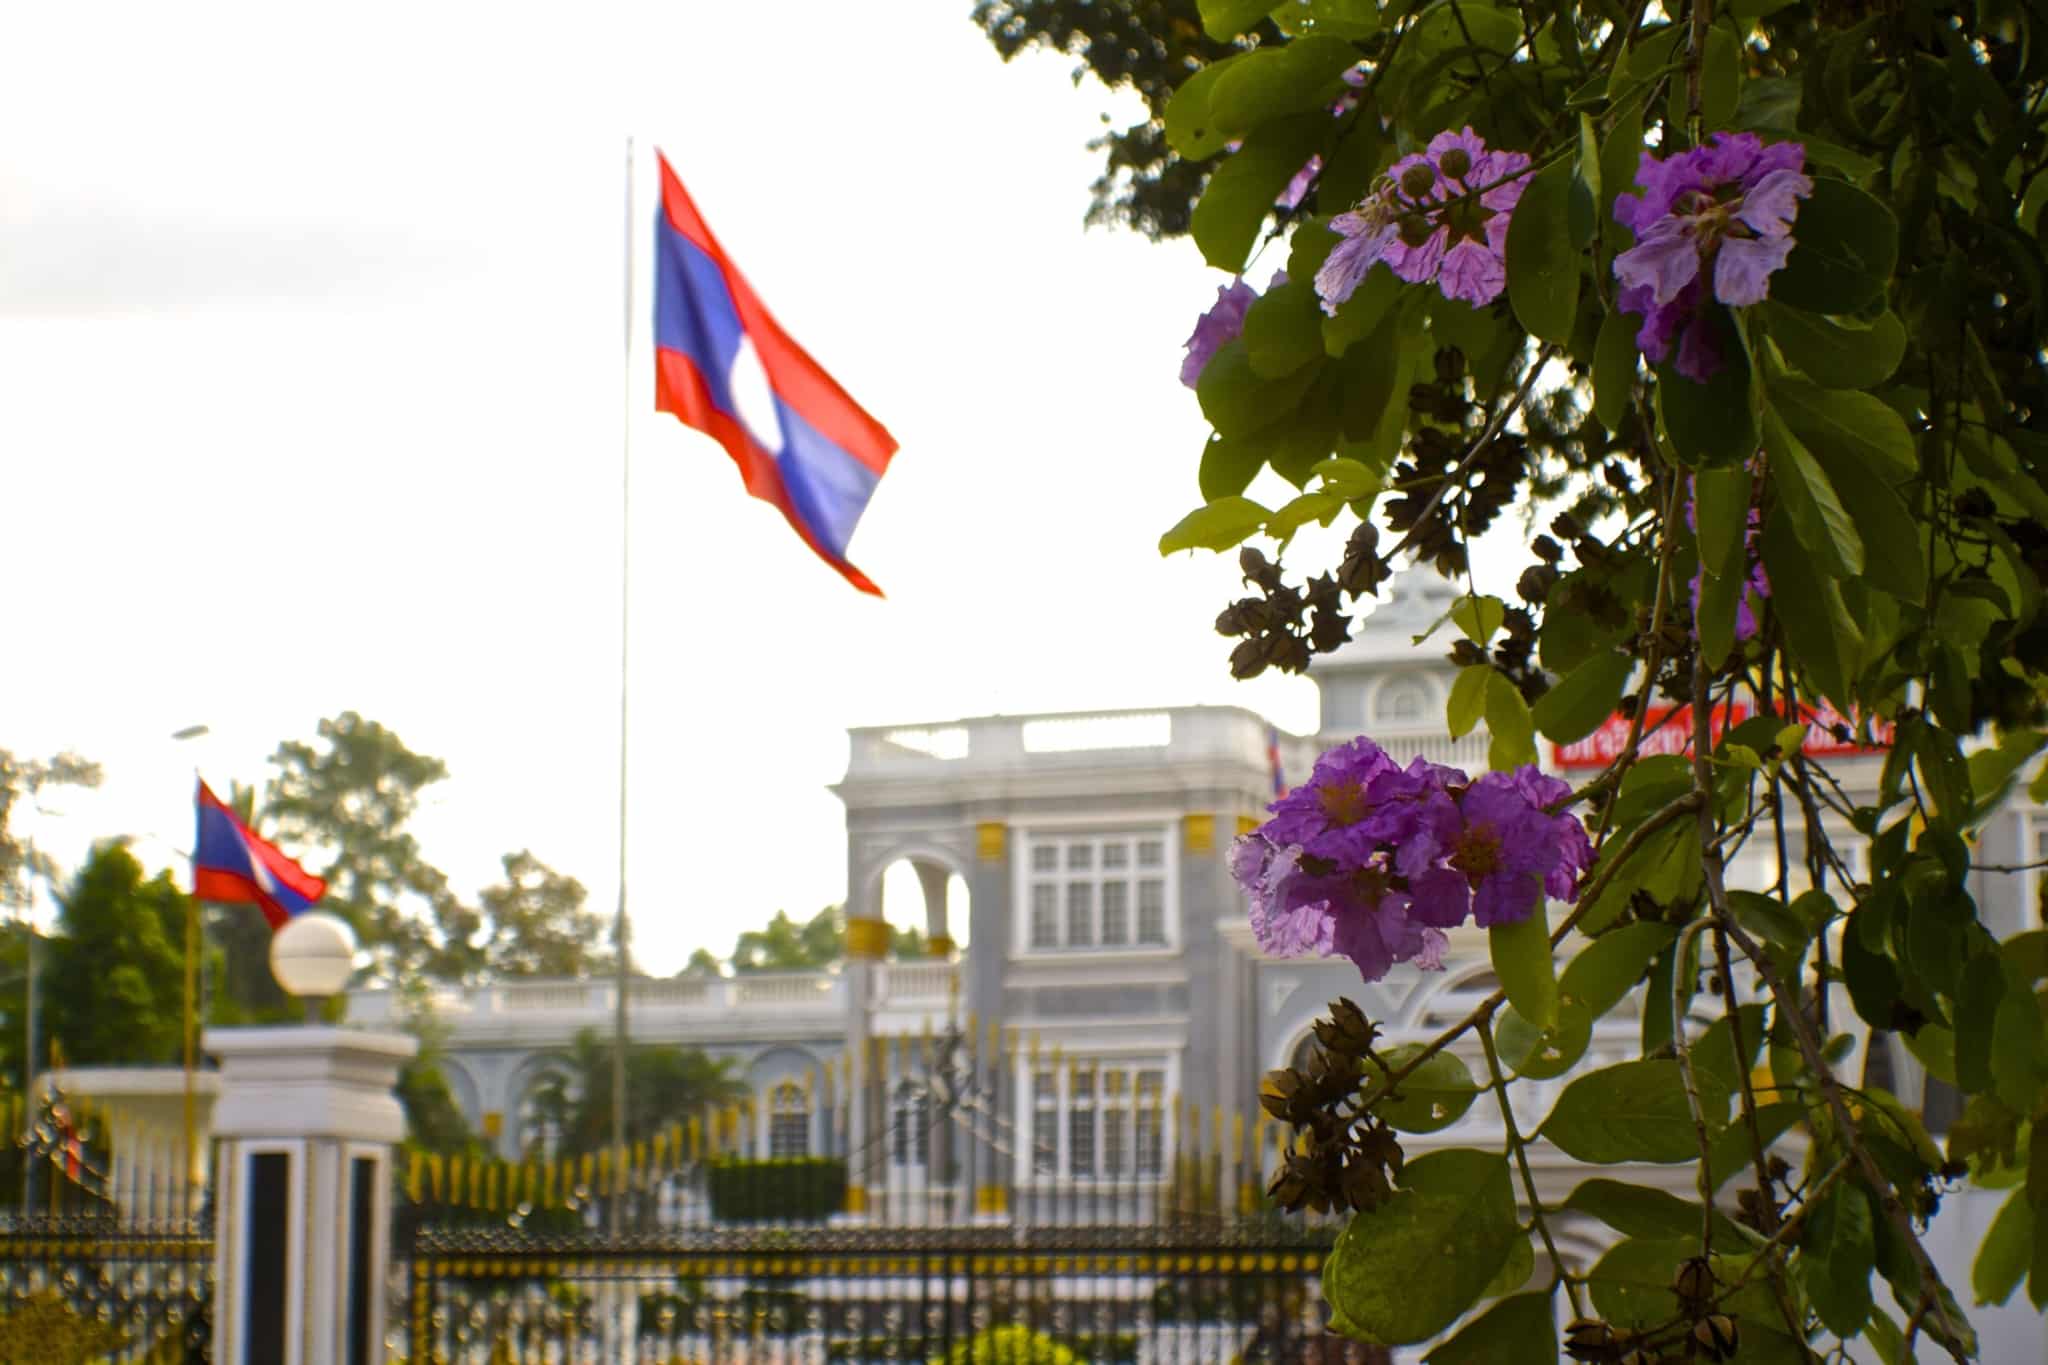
column 306, row 1120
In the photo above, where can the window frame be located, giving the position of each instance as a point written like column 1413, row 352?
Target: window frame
column 1056, row 1111
column 787, row 1100
column 1129, row 830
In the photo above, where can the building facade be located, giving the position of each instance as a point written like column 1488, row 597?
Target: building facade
column 1102, row 927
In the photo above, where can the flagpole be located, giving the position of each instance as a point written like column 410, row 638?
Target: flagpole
column 615, row 1206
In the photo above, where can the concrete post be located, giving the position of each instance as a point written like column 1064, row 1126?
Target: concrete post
column 306, row 1120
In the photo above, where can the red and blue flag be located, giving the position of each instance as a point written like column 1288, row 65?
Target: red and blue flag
column 1273, row 762
column 820, row 466
column 232, row 866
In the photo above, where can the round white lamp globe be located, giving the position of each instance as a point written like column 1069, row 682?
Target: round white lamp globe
column 313, row 955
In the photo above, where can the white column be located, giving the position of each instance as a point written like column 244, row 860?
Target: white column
column 307, row 1120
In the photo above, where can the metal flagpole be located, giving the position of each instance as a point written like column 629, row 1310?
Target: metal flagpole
column 615, row 1205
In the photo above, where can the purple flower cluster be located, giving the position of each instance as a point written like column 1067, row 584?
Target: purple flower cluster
column 1373, row 861
column 1436, row 216
column 1722, row 212
column 1222, row 324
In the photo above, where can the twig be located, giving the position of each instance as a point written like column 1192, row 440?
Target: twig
column 1831, row 1091
column 1518, row 1145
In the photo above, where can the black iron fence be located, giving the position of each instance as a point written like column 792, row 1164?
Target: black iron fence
column 990, row 1295
column 106, row 1246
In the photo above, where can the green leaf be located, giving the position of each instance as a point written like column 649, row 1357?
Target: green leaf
column 1837, row 354
column 1633, row 1111
column 1716, row 1064
column 1238, row 402
column 1846, row 244
column 1976, row 1016
column 1721, row 498
column 1614, row 368
column 1631, row 1284
column 1894, row 544
column 1640, row 1211
column 1839, row 1250
column 1584, row 698
column 1608, row 968
column 1273, row 82
column 1479, row 617
column 1228, row 466
column 1223, row 20
column 1241, row 191
column 1355, row 19
column 1190, row 130
column 1818, row 517
column 2006, row 1252
column 1540, row 1054
column 1435, row 1095
column 2017, row 1057
column 1543, row 268
column 1218, row 526
column 1818, row 629
column 1318, row 506
column 1730, row 1152
column 1349, row 479
column 1508, row 721
column 1521, row 959
column 1468, row 699
column 1712, row 423
column 1359, row 316
column 1514, row 1272
column 1620, row 155
column 1405, row 1271
column 1521, row 1330
column 1283, row 329
column 1852, row 426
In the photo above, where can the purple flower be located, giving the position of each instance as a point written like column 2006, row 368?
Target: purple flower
column 1439, row 216
column 1216, row 328
column 1298, row 188
column 1720, row 214
column 1372, row 861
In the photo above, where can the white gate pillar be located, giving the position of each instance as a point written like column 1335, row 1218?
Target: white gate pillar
column 306, row 1120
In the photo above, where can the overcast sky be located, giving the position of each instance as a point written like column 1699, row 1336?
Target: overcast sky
column 310, row 400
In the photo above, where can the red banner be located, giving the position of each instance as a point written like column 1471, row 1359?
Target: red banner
column 1668, row 730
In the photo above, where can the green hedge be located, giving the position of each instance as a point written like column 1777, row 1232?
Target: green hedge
column 806, row 1189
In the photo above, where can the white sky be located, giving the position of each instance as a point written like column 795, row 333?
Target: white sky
column 310, row 400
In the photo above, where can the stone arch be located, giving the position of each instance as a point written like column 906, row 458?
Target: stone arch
column 462, row 1085
column 937, row 866
column 787, row 1083
column 537, row 1088
column 1404, row 697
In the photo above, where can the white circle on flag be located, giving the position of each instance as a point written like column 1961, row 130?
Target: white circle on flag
column 747, row 381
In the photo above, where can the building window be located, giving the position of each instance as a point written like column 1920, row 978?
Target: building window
column 910, row 1138
column 544, row 1116
column 1401, row 701
column 1112, row 1118
column 789, row 1121
column 1097, row 891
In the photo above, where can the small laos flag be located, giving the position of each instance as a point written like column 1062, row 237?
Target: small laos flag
column 1273, row 762
column 820, row 464
column 231, row 866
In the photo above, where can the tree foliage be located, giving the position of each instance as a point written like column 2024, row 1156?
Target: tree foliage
column 665, row 1084
column 535, row 924
column 1147, row 46
column 113, row 981
column 22, row 780
column 783, row 945
column 350, row 795
column 1812, row 487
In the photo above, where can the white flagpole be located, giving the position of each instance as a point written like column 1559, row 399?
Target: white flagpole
column 616, row 1206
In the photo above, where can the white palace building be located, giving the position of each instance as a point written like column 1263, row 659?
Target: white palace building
column 1104, row 923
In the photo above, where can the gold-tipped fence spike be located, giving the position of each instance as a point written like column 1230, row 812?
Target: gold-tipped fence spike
column 456, row 1166
column 415, row 1172
column 696, row 1137
column 547, row 1185
column 491, row 1187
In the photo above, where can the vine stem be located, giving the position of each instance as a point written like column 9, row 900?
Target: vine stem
column 1681, row 999
column 1519, row 1146
column 1831, row 1092
column 1767, row 1253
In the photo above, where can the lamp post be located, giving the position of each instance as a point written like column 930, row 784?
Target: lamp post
column 312, row 957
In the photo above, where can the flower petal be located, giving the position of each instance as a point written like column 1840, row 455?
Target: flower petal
column 1742, row 269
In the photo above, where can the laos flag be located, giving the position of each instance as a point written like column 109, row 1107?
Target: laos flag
column 231, row 866
column 820, row 463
